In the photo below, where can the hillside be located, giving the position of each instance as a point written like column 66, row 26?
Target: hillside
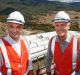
column 36, row 6
column 2, row 29
column 39, row 12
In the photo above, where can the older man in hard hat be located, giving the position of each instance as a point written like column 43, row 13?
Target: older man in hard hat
column 63, row 48
column 14, row 49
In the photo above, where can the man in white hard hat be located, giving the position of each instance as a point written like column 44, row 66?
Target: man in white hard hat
column 63, row 48
column 14, row 49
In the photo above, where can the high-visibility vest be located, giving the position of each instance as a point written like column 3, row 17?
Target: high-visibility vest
column 12, row 63
column 65, row 62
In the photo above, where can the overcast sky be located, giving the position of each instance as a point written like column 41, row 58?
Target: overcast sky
column 66, row 0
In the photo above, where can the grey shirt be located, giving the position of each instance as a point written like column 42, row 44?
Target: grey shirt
column 64, row 45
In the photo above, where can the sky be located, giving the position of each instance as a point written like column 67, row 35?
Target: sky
column 66, row 0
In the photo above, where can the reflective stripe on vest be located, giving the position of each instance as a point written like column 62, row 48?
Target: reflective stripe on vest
column 7, row 63
column 53, row 44
column 74, row 54
column 26, row 43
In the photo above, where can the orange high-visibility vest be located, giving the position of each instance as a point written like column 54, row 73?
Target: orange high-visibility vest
column 12, row 63
column 64, row 61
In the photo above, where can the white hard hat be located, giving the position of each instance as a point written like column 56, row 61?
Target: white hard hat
column 16, row 17
column 62, row 16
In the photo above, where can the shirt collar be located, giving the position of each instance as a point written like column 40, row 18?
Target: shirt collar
column 8, row 38
column 69, row 36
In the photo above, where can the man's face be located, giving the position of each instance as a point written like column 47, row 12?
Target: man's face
column 14, row 30
column 61, row 28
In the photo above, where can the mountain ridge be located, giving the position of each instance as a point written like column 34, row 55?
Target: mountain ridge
column 29, row 8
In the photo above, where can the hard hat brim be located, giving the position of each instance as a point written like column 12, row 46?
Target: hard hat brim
column 15, row 21
column 61, row 20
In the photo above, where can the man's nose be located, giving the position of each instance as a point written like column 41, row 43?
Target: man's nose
column 15, row 30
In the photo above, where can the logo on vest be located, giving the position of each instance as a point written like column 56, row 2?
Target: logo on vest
column 19, row 65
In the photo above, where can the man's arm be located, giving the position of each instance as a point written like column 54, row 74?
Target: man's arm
column 49, row 57
column 30, row 67
column 0, row 62
column 31, row 72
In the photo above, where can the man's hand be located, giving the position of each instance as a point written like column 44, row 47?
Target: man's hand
column 48, row 73
column 31, row 72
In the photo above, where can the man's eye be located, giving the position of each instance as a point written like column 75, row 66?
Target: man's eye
column 57, row 25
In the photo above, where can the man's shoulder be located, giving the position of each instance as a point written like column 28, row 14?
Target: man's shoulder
column 53, row 37
column 0, row 42
column 25, row 39
column 3, row 37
